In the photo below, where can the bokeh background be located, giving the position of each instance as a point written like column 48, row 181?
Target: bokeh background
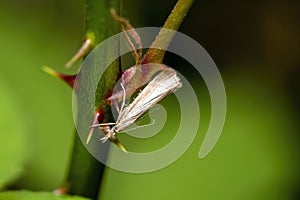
column 256, row 46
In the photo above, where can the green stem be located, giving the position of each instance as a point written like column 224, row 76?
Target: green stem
column 163, row 39
column 86, row 173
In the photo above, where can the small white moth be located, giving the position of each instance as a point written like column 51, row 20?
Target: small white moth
column 159, row 87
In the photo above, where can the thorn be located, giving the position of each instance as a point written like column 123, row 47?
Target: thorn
column 113, row 139
column 85, row 48
column 113, row 12
column 118, row 143
column 122, row 147
column 89, row 136
column 61, row 191
column 50, row 71
column 69, row 79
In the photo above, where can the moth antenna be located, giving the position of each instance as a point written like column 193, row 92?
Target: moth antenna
column 103, row 124
column 124, row 96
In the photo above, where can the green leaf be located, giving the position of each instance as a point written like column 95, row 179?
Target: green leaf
column 28, row 195
column 12, row 137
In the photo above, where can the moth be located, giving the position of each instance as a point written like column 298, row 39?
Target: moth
column 158, row 88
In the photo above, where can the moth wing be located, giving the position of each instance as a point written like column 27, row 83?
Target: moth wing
column 158, row 88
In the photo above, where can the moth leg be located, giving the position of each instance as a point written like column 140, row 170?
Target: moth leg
column 85, row 48
column 106, row 137
column 131, row 36
column 106, row 130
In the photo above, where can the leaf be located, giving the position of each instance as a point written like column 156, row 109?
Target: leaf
column 28, row 195
column 12, row 137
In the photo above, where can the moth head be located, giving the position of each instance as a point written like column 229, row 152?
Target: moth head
column 116, row 129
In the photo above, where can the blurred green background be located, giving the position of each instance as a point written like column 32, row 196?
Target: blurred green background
column 256, row 46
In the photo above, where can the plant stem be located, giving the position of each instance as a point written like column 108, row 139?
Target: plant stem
column 163, row 39
column 86, row 172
